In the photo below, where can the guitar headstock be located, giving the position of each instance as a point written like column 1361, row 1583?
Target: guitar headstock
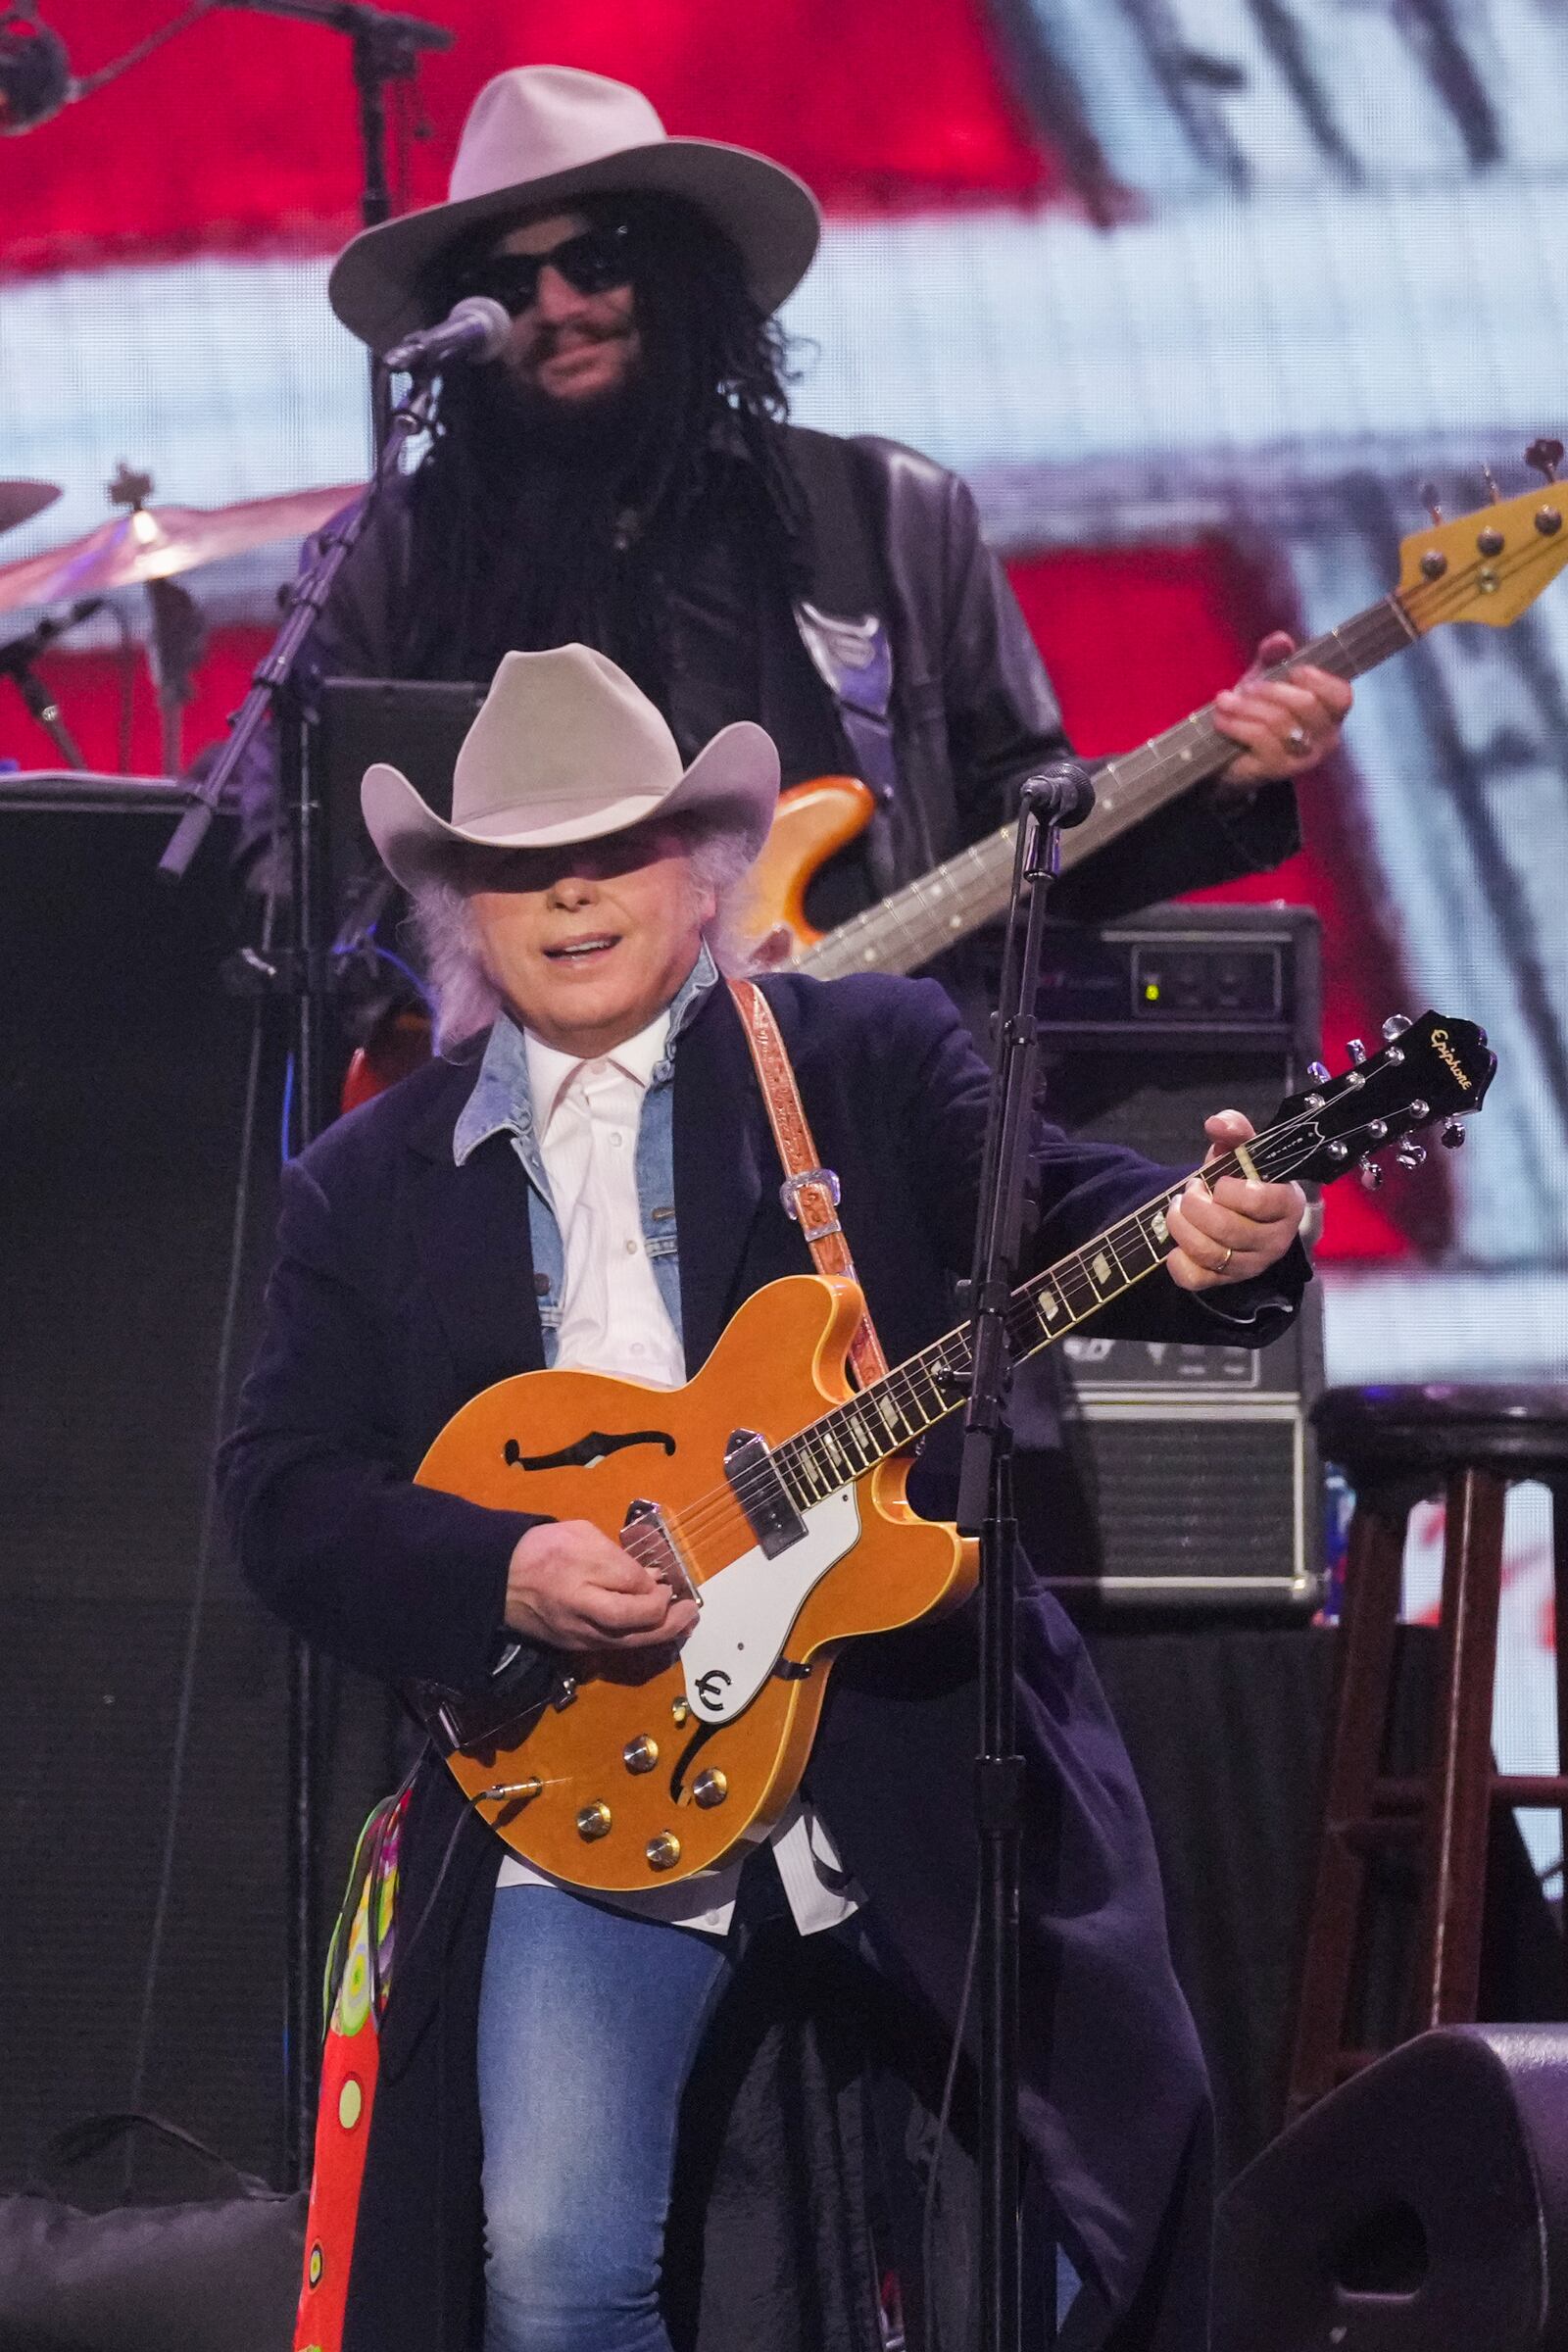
column 1430, row 1070
column 1490, row 564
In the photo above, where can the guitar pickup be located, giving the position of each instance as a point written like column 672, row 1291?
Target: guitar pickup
column 656, row 1547
column 762, row 1494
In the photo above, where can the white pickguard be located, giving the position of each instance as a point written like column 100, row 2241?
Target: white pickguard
column 749, row 1606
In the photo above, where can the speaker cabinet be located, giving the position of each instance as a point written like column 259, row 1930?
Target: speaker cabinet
column 1422, row 2207
column 1199, row 1462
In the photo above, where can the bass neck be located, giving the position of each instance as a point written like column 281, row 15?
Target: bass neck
column 963, row 894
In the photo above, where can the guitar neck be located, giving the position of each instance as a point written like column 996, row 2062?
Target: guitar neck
column 967, row 891
column 896, row 1410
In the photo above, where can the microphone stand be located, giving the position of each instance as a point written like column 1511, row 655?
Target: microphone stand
column 986, row 1509
column 301, row 975
column 386, row 47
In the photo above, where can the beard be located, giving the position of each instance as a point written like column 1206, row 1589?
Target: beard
column 605, row 435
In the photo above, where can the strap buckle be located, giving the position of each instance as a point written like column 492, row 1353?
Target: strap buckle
column 790, row 1190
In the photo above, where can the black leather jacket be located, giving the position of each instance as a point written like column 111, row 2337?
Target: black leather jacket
column 973, row 711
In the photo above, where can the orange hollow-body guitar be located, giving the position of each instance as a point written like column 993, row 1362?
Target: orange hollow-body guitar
column 655, row 1767
column 777, row 1495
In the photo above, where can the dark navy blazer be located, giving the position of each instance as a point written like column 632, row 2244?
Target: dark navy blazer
column 404, row 1285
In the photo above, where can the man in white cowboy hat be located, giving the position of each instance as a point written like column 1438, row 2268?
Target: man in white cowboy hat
column 588, row 1178
column 622, row 474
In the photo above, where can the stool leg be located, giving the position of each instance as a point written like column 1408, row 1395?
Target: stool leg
column 1460, row 1775
column 1374, row 1571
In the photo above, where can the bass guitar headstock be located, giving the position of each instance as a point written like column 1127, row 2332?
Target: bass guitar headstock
column 1435, row 1068
column 1488, row 565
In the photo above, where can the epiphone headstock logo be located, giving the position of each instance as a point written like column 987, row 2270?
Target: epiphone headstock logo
column 1451, row 1059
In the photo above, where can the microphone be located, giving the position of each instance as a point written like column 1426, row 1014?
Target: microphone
column 34, row 72
column 476, row 331
column 21, row 653
column 1059, row 794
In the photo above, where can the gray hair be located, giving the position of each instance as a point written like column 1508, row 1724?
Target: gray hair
column 449, row 952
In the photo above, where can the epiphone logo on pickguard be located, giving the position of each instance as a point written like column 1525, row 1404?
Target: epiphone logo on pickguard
column 1451, row 1059
column 584, row 1452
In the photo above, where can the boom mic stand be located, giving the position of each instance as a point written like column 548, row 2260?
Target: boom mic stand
column 300, row 974
column 386, row 47
column 1059, row 795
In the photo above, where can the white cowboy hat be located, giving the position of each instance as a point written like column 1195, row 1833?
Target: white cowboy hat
column 565, row 749
column 546, row 135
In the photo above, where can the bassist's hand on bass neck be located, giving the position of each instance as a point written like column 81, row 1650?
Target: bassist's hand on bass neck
column 1284, row 725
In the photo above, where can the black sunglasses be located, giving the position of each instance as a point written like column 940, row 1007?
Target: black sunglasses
column 592, row 263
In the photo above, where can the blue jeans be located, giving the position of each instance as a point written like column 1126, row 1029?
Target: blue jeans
column 589, row 2020
column 589, row 2023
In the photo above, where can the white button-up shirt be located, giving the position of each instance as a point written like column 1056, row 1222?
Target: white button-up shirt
column 613, row 1320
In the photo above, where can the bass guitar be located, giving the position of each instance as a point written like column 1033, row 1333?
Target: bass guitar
column 792, row 1533
column 1486, row 567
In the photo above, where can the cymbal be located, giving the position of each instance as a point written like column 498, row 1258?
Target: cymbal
column 20, row 502
column 154, row 543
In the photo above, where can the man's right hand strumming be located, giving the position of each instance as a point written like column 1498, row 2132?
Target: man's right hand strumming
column 574, row 1588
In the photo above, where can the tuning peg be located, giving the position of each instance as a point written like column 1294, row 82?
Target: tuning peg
column 1543, row 458
column 1396, row 1026
column 1452, row 1135
column 1318, row 1072
column 1429, row 498
column 1410, row 1154
column 1371, row 1174
column 1356, row 1050
column 1490, row 481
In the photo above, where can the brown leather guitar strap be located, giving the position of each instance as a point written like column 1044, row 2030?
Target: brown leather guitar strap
column 810, row 1191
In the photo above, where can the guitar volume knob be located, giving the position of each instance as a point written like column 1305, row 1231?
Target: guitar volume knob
column 640, row 1754
column 593, row 1821
column 663, row 1852
column 710, row 1788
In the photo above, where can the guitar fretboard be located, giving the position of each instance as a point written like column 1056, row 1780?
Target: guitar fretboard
column 953, row 900
column 896, row 1410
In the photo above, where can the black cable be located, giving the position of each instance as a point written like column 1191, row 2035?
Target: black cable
column 928, row 2206
column 224, row 1371
column 86, row 83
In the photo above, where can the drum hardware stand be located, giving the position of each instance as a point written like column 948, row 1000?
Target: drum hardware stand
column 1059, row 795
column 17, row 664
column 301, row 976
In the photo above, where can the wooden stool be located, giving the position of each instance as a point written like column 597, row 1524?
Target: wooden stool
column 1398, row 1447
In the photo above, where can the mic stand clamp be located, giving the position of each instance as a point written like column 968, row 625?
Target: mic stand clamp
column 986, row 1509
column 45, row 710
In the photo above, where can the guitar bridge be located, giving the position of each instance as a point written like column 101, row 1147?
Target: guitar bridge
column 655, row 1548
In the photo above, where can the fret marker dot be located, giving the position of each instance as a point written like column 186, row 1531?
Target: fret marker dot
column 1050, row 1308
column 1161, row 1229
column 1101, row 1267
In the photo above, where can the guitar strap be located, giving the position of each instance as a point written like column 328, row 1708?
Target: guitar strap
column 810, row 1191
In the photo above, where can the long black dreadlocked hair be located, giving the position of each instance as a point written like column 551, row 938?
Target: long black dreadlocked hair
column 534, row 528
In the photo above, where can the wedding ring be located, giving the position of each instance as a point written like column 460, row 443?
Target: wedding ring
column 1224, row 1261
column 1297, row 741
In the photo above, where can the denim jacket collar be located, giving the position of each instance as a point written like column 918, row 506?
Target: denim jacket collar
column 502, row 1101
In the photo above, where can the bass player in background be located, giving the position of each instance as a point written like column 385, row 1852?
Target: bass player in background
column 588, row 1178
column 624, row 475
